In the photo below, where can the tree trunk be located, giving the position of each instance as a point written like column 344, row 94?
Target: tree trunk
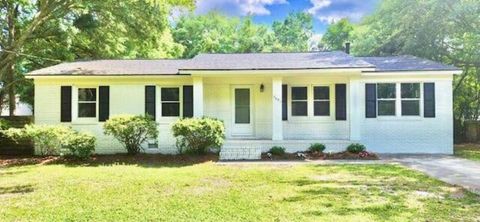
column 11, row 90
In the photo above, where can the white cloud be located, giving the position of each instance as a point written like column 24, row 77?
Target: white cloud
column 237, row 7
column 329, row 11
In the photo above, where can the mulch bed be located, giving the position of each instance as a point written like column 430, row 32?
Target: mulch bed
column 139, row 159
column 321, row 156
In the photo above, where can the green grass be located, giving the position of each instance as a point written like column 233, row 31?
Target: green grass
column 210, row 192
column 468, row 151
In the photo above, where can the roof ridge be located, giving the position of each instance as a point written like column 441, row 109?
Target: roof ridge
column 245, row 53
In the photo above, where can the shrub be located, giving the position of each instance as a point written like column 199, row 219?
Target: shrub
column 131, row 130
column 197, row 135
column 48, row 139
column 356, row 148
column 4, row 124
column 316, row 147
column 277, row 150
column 81, row 145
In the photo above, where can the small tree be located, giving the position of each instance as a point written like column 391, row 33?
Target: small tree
column 197, row 135
column 131, row 130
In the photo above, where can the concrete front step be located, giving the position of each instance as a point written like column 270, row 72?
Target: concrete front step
column 252, row 149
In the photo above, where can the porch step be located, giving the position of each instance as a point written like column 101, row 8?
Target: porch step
column 245, row 153
column 252, row 149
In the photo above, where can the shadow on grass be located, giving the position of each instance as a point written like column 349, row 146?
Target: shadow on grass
column 19, row 189
column 143, row 160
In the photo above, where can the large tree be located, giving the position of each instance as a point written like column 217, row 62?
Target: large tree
column 44, row 32
column 217, row 33
column 295, row 32
column 337, row 35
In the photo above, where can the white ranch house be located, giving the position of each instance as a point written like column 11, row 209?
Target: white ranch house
column 399, row 104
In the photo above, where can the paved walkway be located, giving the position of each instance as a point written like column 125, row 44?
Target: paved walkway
column 447, row 168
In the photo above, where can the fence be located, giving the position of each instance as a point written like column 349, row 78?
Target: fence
column 9, row 147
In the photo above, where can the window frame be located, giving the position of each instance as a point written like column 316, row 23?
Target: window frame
column 77, row 102
column 419, row 99
column 387, row 99
column 329, row 100
column 291, row 101
column 160, row 102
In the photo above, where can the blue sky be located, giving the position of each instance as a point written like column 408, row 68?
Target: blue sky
column 267, row 11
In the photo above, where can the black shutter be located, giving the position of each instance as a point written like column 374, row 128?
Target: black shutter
column 150, row 101
column 103, row 103
column 341, row 101
column 284, row 102
column 370, row 100
column 187, row 101
column 66, row 104
column 429, row 100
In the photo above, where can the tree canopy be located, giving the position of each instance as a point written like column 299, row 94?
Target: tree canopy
column 337, row 35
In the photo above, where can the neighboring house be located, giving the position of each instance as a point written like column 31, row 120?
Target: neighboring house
column 400, row 104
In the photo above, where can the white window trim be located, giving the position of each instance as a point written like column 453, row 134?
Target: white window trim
column 331, row 94
column 387, row 99
column 398, row 102
column 160, row 102
column 420, row 103
column 310, row 102
column 75, row 102
column 291, row 100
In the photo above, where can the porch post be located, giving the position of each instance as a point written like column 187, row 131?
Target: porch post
column 197, row 96
column 355, row 100
column 277, row 125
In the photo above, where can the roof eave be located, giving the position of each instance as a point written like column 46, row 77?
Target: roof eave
column 412, row 72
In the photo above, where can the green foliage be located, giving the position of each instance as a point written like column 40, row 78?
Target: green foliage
column 197, row 135
column 277, row 150
column 294, row 33
column 131, row 130
column 218, row 33
column 316, row 147
column 337, row 35
column 4, row 124
column 55, row 139
column 356, row 148
column 80, row 144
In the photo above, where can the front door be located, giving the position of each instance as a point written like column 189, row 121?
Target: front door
column 242, row 111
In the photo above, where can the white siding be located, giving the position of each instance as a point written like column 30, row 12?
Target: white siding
column 392, row 135
column 412, row 134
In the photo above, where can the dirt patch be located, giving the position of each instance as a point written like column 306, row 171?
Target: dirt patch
column 322, row 156
column 139, row 159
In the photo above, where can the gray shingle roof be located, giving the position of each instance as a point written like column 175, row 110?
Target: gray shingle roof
column 114, row 67
column 406, row 63
column 269, row 61
column 244, row 61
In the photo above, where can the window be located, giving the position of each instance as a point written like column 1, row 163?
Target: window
column 87, row 102
column 299, row 101
column 170, row 101
column 386, row 95
column 321, row 101
column 410, row 93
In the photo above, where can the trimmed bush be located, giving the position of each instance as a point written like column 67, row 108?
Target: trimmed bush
column 277, row 150
column 316, row 147
column 131, row 130
column 48, row 139
column 198, row 135
column 81, row 145
column 356, row 148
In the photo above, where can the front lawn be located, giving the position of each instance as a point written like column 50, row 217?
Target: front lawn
column 468, row 151
column 211, row 192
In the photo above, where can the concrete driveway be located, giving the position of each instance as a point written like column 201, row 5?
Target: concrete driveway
column 447, row 168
